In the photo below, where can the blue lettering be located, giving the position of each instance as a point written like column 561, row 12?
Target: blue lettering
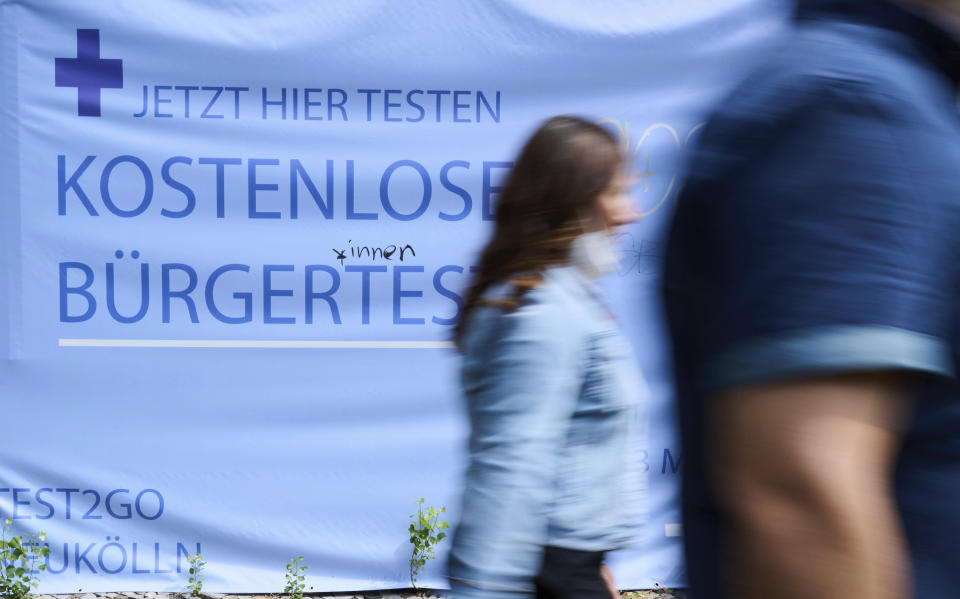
column 186, row 89
column 220, row 163
column 134, row 562
column 269, row 293
column 365, row 271
column 489, row 189
column 147, row 185
column 307, row 103
column 186, row 191
column 156, row 561
column 331, row 104
column 66, row 290
column 93, row 508
column 246, row 297
column 66, row 495
column 139, row 508
column 327, row 295
column 108, row 503
column 387, row 105
column 254, row 187
column 182, row 548
column 369, row 93
column 206, row 111
column 46, row 504
column 144, row 295
column 352, row 214
column 64, row 184
column 298, row 173
column 447, row 293
column 438, row 94
column 143, row 111
column 419, row 107
column 157, row 101
column 457, row 105
column 668, row 457
column 65, row 562
column 481, row 99
column 463, row 193
column 82, row 557
column 399, row 293
column 17, row 503
column 166, row 294
column 236, row 99
column 282, row 103
column 385, row 190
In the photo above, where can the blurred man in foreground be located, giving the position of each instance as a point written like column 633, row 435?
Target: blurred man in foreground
column 812, row 285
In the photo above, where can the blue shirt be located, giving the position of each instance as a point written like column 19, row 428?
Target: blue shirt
column 819, row 232
column 554, row 400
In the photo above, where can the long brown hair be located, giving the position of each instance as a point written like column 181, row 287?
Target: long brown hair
column 556, row 180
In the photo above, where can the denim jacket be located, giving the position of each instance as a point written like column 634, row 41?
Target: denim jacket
column 554, row 400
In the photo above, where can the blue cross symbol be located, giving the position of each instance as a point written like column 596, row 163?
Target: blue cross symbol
column 88, row 72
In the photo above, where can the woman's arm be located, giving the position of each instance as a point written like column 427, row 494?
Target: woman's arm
column 521, row 402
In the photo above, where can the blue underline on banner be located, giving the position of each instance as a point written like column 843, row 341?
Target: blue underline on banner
column 255, row 343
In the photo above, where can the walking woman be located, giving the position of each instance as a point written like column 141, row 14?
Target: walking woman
column 553, row 395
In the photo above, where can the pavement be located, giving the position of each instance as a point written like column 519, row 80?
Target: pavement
column 390, row 594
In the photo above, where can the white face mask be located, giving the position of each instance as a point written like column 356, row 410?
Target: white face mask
column 596, row 254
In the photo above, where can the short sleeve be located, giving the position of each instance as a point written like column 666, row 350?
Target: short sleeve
column 834, row 245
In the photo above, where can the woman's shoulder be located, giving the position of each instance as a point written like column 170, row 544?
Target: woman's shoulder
column 561, row 294
column 553, row 309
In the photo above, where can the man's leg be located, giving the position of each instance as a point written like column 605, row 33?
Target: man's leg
column 804, row 475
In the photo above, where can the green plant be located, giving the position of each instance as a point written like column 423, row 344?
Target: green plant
column 295, row 577
column 425, row 532
column 195, row 582
column 18, row 562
